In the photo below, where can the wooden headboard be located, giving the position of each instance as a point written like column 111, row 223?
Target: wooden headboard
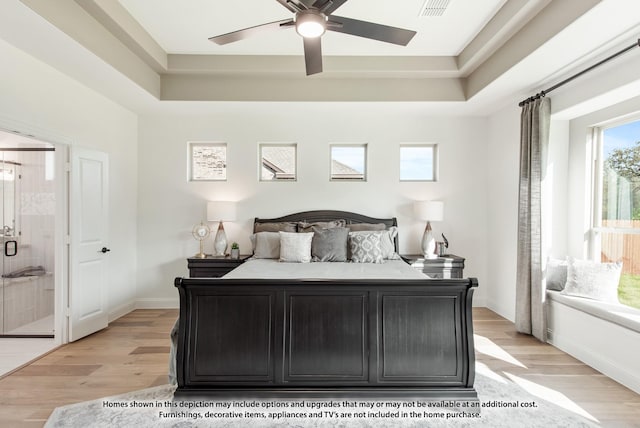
column 328, row 215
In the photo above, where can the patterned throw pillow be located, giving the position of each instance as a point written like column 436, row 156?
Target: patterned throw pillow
column 366, row 248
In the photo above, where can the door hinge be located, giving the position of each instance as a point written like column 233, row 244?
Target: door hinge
column 67, row 166
column 67, row 312
column 67, row 240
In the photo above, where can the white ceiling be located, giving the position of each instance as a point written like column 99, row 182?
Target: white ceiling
column 479, row 56
column 183, row 27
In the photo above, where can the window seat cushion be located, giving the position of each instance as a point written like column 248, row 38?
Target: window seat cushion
column 622, row 315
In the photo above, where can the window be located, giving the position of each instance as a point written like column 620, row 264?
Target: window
column 616, row 219
column 207, row 161
column 277, row 162
column 348, row 162
column 418, row 162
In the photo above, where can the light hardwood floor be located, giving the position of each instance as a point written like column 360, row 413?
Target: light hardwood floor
column 132, row 353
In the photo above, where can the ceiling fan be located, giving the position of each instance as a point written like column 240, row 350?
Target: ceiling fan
column 314, row 17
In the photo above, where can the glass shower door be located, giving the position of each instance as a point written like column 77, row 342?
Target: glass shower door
column 27, row 219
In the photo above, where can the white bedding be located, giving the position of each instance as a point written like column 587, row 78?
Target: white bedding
column 273, row 269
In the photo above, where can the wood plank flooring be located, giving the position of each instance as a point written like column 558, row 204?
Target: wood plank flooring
column 132, row 353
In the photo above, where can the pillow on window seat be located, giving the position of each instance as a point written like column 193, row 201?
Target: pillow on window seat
column 556, row 274
column 598, row 281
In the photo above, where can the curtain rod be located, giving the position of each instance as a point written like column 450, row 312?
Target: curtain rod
column 569, row 79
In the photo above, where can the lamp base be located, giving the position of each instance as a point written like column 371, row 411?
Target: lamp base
column 220, row 241
column 429, row 243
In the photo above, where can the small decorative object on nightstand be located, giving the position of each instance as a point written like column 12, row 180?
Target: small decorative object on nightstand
column 200, row 233
column 213, row 267
column 235, row 250
column 447, row 266
column 429, row 211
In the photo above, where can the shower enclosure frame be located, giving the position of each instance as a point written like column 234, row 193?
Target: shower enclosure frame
column 11, row 247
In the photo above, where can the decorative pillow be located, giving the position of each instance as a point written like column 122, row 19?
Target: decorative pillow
column 295, row 247
column 387, row 243
column 366, row 226
column 365, row 248
column 305, row 227
column 329, row 245
column 556, row 274
column 274, row 227
column 266, row 245
column 593, row 280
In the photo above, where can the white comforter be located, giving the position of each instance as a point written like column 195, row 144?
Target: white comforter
column 273, row 269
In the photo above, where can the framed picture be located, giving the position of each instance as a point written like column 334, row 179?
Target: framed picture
column 348, row 162
column 418, row 162
column 278, row 162
column 207, row 161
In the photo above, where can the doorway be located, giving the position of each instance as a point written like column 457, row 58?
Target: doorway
column 27, row 237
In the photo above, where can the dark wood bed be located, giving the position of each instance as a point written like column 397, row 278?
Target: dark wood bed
column 326, row 338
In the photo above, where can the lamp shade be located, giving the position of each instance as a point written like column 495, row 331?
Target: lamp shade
column 221, row 211
column 429, row 210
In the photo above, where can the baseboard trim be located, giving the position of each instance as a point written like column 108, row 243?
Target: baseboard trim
column 121, row 311
column 157, row 303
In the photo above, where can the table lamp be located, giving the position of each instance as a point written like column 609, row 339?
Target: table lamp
column 221, row 211
column 429, row 211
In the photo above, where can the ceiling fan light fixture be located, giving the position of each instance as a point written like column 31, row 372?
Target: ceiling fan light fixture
column 311, row 23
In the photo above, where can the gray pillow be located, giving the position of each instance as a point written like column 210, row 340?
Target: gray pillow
column 365, row 248
column 556, row 274
column 329, row 245
column 305, row 227
column 266, row 245
column 274, row 227
column 366, row 226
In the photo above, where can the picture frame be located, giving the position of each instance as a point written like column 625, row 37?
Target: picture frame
column 207, row 161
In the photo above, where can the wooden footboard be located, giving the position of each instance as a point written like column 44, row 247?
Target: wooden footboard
column 286, row 338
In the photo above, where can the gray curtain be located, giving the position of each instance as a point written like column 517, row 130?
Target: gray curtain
column 530, row 293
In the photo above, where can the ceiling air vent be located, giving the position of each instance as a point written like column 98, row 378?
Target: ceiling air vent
column 434, row 7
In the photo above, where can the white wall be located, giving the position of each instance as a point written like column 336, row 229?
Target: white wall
column 503, row 157
column 36, row 98
column 169, row 205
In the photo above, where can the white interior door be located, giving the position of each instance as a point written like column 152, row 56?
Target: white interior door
column 88, row 252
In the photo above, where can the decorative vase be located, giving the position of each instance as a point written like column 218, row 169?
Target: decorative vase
column 235, row 253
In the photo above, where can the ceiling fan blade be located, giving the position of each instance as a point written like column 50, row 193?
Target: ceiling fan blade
column 234, row 36
column 313, row 55
column 287, row 4
column 383, row 33
column 328, row 6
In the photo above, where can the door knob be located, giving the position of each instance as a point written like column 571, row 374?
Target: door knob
column 105, row 249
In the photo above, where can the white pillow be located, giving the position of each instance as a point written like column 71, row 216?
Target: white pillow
column 295, row 247
column 266, row 245
column 598, row 281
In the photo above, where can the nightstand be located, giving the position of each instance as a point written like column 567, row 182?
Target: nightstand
column 212, row 266
column 448, row 266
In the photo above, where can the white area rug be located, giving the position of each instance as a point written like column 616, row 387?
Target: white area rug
column 504, row 402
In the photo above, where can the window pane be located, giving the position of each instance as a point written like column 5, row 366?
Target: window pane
column 277, row 162
column 417, row 163
column 620, row 206
column 208, row 161
column 349, row 162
